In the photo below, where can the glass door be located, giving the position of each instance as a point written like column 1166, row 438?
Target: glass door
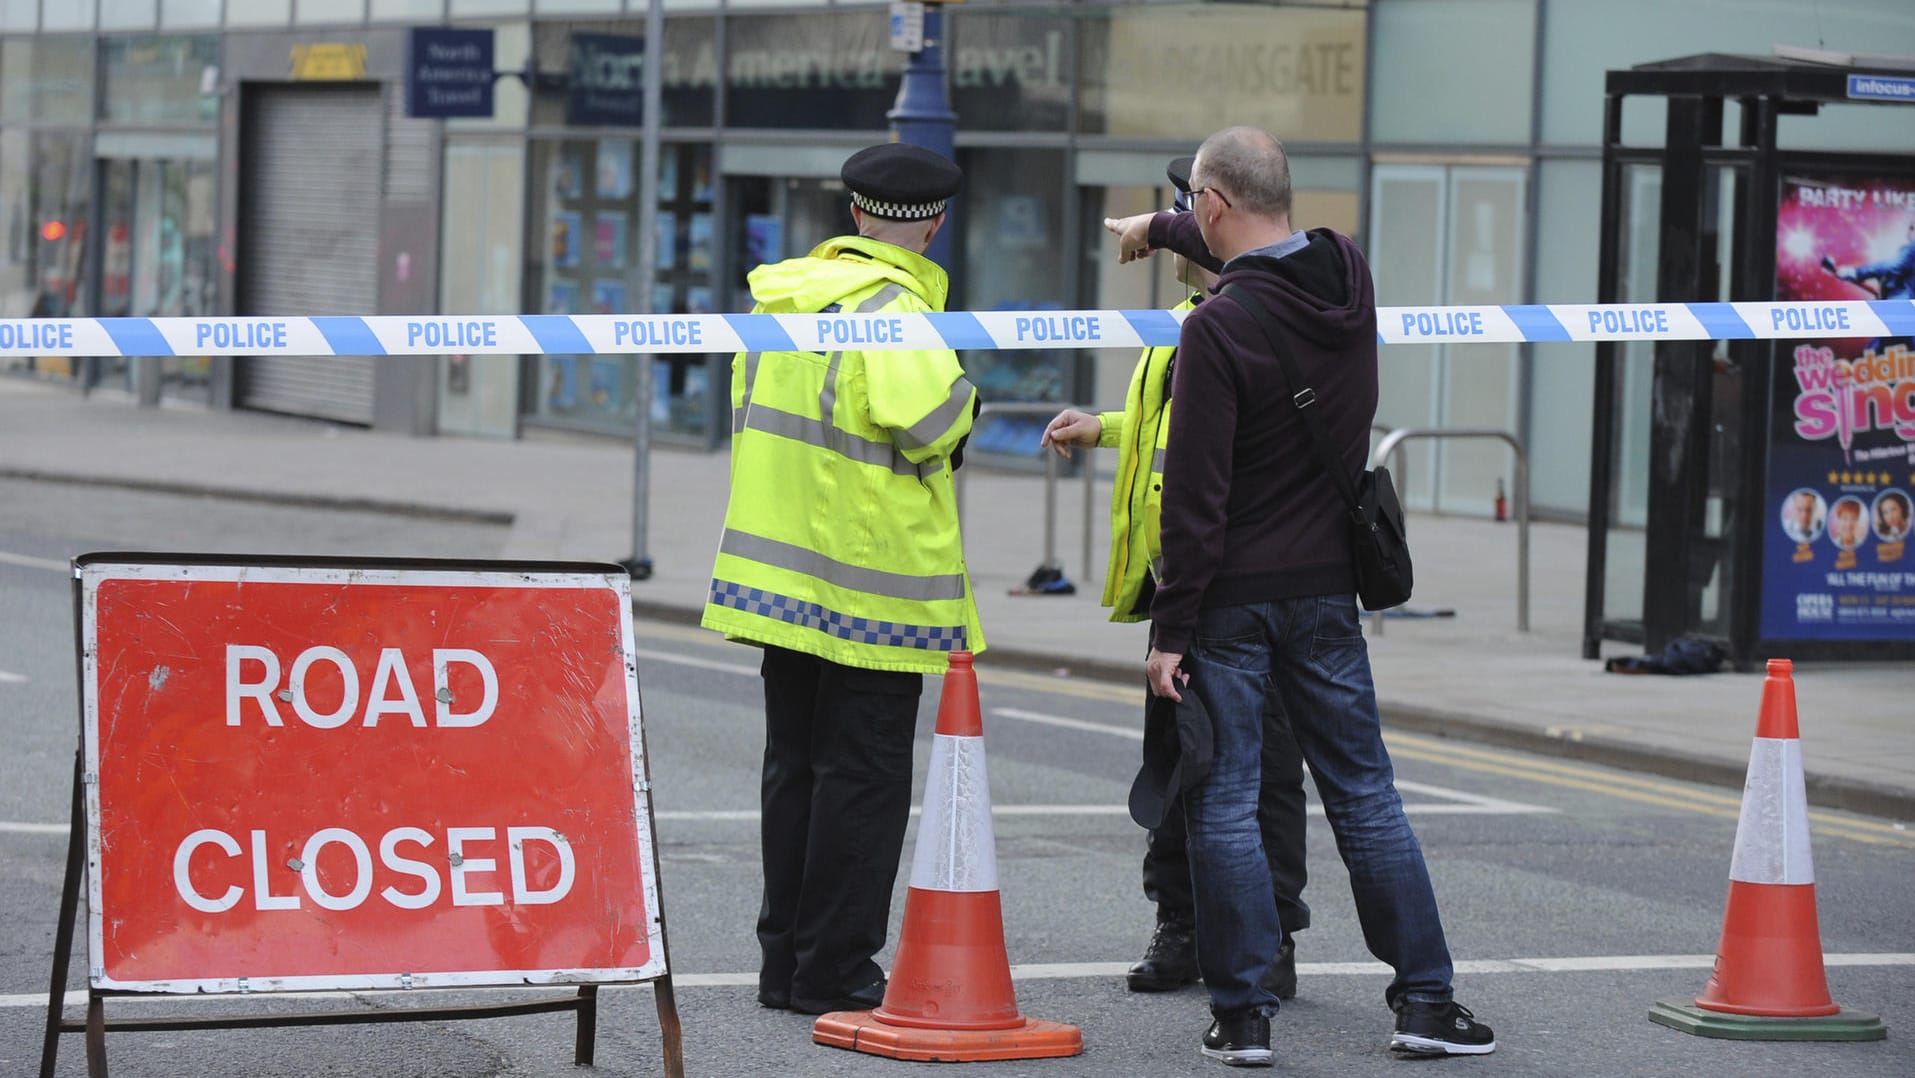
column 156, row 259
column 1450, row 235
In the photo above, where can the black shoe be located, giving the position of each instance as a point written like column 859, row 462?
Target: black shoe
column 1241, row 1041
column 1440, row 1029
column 1170, row 961
column 858, row 999
column 1280, row 980
column 774, row 999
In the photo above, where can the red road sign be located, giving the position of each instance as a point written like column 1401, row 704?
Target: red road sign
column 339, row 776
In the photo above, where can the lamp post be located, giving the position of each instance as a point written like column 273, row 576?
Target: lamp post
column 922, row 115
column 640, row 562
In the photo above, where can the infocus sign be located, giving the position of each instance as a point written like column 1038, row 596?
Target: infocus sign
column 1881, row 88
column 608, row 81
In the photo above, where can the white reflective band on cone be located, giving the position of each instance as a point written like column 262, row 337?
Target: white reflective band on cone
column 1772, row 838
column 956, row 849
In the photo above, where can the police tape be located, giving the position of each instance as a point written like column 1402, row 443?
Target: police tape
column 612, row 334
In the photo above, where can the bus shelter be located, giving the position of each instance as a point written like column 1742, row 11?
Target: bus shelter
column 1755, row 492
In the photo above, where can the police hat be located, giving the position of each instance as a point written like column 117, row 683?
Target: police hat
column 899, row 181
column 1179, row 173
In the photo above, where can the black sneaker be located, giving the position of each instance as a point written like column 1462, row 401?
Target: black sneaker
column 1241, row 1040
column 1440, row 1029
column 1170, row 961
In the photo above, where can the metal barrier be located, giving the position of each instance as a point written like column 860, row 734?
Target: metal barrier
column 1050, row 480
column 1391, row 445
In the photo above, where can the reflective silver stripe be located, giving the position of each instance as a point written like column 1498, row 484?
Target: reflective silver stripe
column 1157, row 462
column 828, row 396
column 931, row 427
column 811, row 563
column 815, row 432
column 744, row 404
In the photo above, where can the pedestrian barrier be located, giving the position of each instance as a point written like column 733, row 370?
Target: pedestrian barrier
column 950, row 997
column 1769, row 983
column 297, row 775
column 1050, row 572
column 1392, row 444
column 662, row 334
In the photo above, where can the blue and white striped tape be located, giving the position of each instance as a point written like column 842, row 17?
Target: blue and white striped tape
column 605, row 334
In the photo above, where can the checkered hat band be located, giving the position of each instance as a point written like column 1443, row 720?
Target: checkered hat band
column 896, row 210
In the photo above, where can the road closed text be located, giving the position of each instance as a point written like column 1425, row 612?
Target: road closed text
column 253, row 677
column 210, row 866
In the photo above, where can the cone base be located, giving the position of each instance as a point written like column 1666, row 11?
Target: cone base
column 1844, row 1025
column 863, row 1031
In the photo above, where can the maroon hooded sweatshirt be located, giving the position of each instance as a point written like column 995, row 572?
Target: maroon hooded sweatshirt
column 1249, row 515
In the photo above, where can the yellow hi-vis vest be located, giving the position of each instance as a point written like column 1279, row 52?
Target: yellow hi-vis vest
column 1140, row 433
column 841, row 532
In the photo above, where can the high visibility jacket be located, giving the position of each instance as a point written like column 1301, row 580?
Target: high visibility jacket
column 841, row 532
column 1140, row 433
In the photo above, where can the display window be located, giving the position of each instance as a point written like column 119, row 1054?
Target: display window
column 586, row 257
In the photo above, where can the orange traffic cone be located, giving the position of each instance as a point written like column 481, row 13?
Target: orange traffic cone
column 1769, row 982
column 950, row 997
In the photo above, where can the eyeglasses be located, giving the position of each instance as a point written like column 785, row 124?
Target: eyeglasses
column 1195, row 191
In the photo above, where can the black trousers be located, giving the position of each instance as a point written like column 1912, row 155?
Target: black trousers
column 1280, row 816
column 836, row 797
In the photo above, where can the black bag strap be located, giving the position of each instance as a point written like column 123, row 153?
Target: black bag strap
column 1305, row 399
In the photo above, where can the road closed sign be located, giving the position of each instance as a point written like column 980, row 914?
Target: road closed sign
column 363, row 775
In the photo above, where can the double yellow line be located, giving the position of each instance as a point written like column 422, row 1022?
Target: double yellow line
column 1609, row 782
column 1703, row 800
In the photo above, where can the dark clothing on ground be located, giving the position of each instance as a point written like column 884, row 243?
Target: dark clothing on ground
column 1256, row 513
column 836, row 799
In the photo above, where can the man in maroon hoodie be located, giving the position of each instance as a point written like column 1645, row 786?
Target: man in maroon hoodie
column 1257, row 595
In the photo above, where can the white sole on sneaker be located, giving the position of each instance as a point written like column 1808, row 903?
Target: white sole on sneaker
column 1241, row 1057
column 1429, row 1046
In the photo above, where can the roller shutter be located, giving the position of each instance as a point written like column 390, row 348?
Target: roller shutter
column 309, row 245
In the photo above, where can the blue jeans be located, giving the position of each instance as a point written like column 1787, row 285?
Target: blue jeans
column 1311, row 653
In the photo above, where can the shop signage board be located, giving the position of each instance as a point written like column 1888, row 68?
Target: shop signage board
column 449, row 72
column 607, row 85
column 305, row 775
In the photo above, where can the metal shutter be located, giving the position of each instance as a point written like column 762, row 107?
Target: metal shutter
column 309, row 241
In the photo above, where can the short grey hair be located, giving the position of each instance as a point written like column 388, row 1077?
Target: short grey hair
column 1250, row 166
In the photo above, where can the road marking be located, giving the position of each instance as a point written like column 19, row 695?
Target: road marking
column 9, row 827
column 1460, row 802
column 28, row 562
column 1428, row 749
column 1053, row 971
column 7, row 677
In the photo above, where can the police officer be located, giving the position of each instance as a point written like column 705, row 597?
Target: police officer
column 841, row 559
column 1140, row 433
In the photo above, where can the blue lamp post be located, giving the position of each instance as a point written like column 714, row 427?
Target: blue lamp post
column 922, row 115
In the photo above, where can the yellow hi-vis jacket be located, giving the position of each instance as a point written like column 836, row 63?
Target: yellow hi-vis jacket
column 1140, row 433
column 841, row 532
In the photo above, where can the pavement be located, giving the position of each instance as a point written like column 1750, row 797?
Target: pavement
column 1471, row 675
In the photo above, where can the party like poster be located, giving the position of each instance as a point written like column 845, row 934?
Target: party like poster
column 1836, row 563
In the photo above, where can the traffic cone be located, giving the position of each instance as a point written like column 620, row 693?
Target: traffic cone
column 950, row 997
column 1769, row 983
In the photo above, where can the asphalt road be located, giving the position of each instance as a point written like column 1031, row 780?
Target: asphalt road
column 1574, row 896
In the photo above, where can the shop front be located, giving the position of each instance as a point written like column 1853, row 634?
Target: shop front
column 156, row 166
